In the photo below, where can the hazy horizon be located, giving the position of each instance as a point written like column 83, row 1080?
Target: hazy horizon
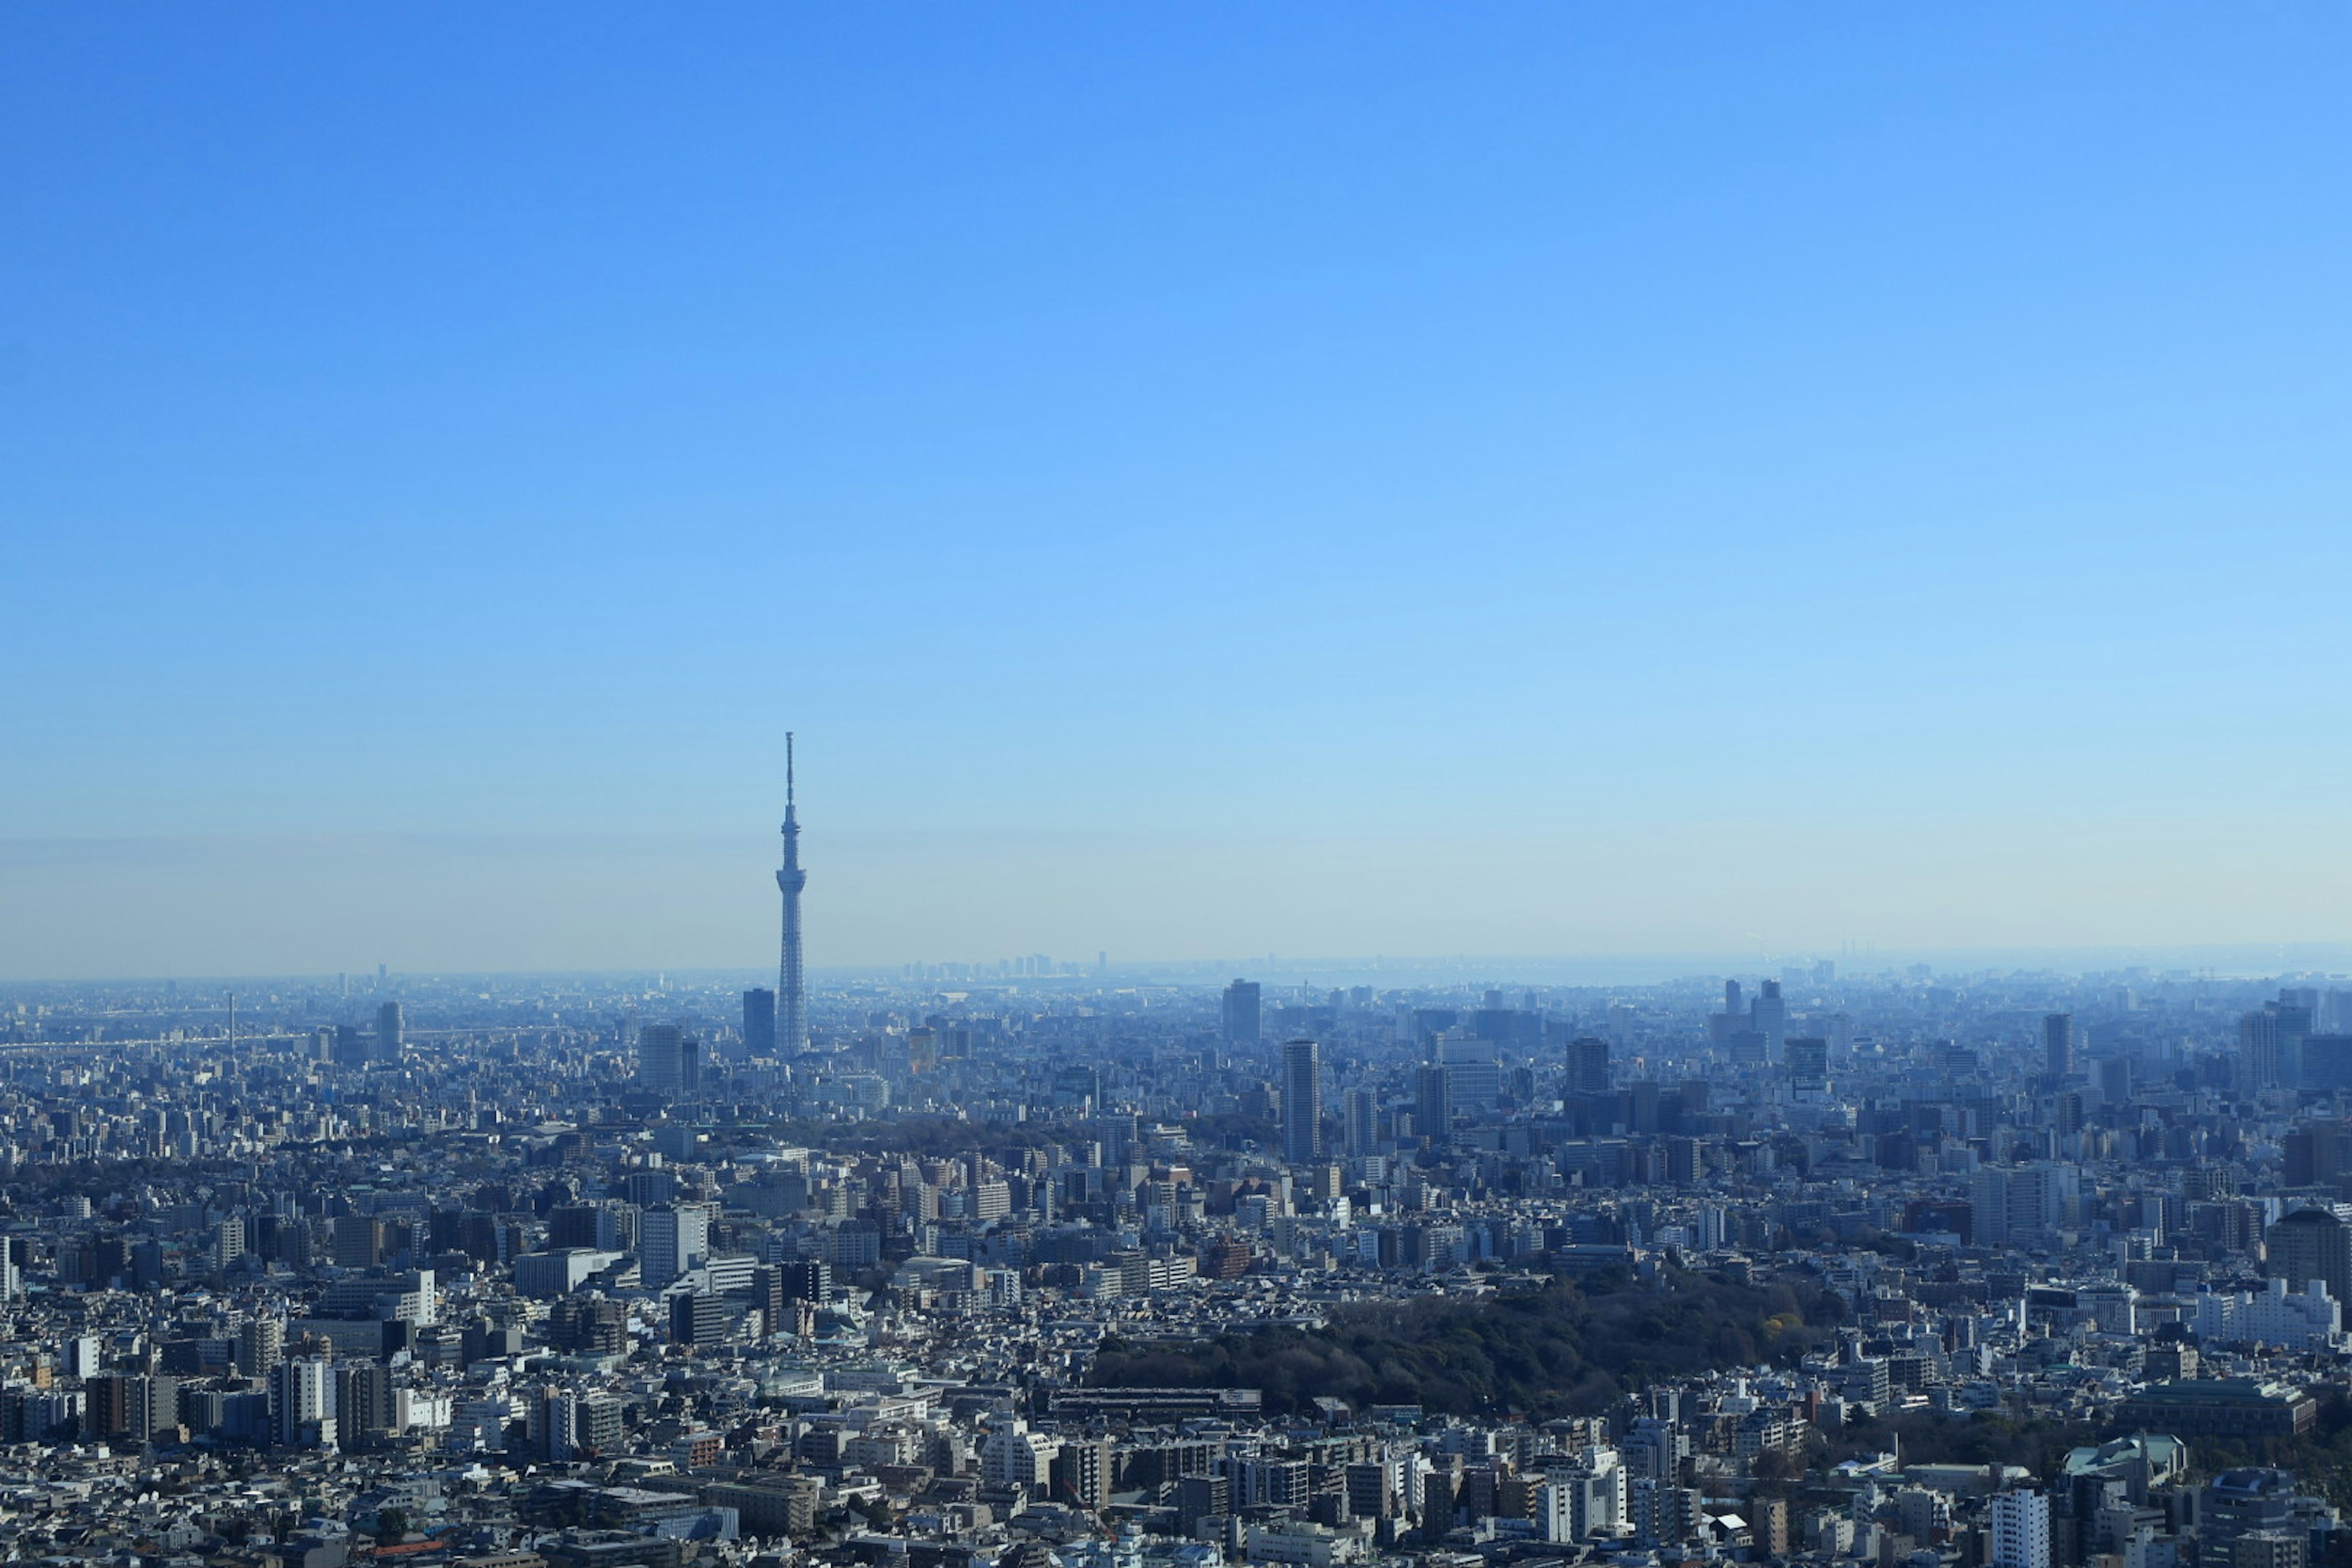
column 2229, row 963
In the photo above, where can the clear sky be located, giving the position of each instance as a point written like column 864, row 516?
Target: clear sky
column 1199, row 480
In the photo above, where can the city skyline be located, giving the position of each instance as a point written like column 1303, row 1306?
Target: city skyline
column 1575, row 787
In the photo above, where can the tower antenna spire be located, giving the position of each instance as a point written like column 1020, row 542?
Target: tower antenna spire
column 792, row 992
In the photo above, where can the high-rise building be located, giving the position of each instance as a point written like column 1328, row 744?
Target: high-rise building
column 1359, row 1123
column 1244, row 1014
column 261, row 1346
column 1302, row 1102
column 1474, row 1077
column 2312, row 1243
column 1585, row 1498
column 302, row 1405
column 127, row 1405
column 1433, row 1104
column 2058, row 1044
column 366, row 1414
column 759, row 1022
column 668, row 1059
column 671, row 1240
column 1587, row 1066
column 391, row 1032
column 1201, row 1497
column 1770, row 1017
column 699, row 1321
column 2269, row 1046
column 1808, row 1057
column 791, row 995
column 2021, row 1530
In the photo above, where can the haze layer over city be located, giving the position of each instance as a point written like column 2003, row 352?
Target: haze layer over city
column 1050, row 787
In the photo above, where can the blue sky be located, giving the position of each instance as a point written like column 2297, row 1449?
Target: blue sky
column 1200, row 481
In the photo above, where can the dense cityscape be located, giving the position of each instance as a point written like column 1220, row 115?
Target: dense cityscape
column 1025, row 1263
column 1281, row 785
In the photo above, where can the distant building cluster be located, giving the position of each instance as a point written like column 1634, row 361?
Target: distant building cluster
column 519, row 1273
column 1999, row 1270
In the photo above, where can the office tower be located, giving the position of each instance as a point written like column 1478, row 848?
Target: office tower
column 302, row 1405
column 792, row 996
column 2019, row 1204
column 1078, row 1085
column 350, row 1047
column 1302, row 1101
column 1808, row 1065
column 1474, row 1078
column 669, row 1059
column 359, row 1241
column 2114, row 1076
column 391, row 1032
column 1432, row 1103
column 2021, row 1530
column 2317, row 1153
column 2270, row 1046
column 805, row 1280
column 1770, row 1017
column 1243, row 1015
column 2327, row 1061
column 671, row 1240
column 1359, row 1123
column 2058, row 1044
column 759, row 1022
column 2312, row 1243
column 1587, row 1066
column 700, row 1322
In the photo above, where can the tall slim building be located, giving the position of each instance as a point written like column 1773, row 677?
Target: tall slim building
column 1587, row 1066
column 302, row 1405
column 1243, row 1015
column 1359, row 1122
column 1432, row 1103
column 1770, row 1017
column 2269, row 1046
column 760, row 1022
column 2021, row 1530
column 2058, row 1044
column 1302, row 1102
column 391, row 1032
column 791, row 995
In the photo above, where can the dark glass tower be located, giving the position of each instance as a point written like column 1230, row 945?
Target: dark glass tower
column 1302, row 1102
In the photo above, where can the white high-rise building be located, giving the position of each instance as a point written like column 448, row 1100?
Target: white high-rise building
column 671, row 1240
column 2021, row 1530
column 1584, row 1500
column 302, row 1405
